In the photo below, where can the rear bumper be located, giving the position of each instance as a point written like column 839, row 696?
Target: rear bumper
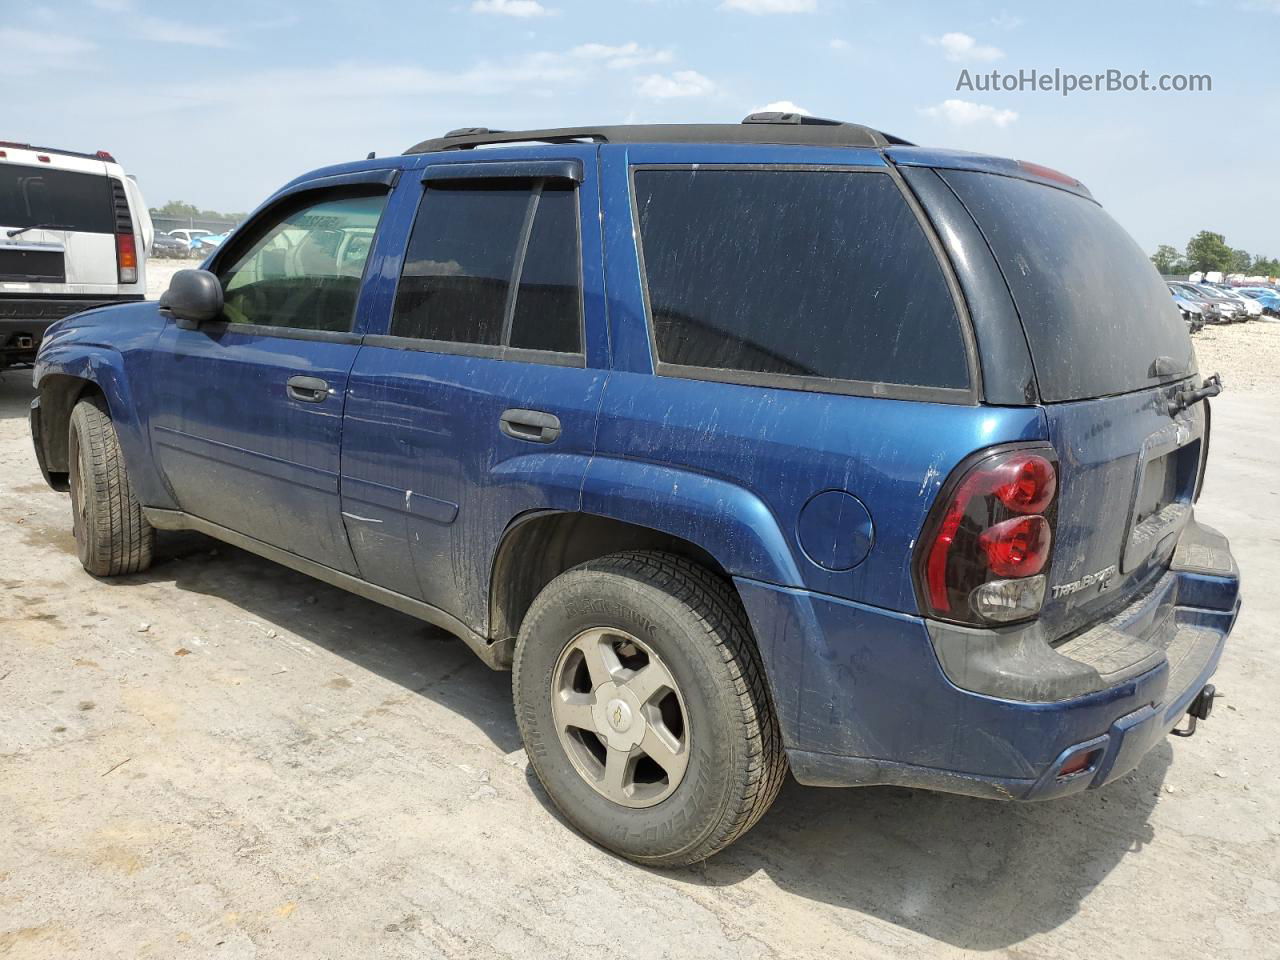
column 863, row 697
column 23, row 320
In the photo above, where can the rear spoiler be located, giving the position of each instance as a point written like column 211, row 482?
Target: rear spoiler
column 981, row 163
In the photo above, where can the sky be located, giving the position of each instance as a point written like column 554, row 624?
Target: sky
column 218, row 104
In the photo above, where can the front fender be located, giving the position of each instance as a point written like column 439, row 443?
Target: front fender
column 104, row 367
column 729, row 522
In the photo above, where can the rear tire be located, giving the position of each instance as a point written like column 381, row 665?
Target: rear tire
column 112, row 535
column 701, row 758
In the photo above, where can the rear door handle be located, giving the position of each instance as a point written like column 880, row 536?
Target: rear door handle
column 308, row 389
column 532, row 425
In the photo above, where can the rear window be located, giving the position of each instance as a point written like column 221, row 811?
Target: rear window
column 799, row 273
column 62, row 199
column 1096, row 313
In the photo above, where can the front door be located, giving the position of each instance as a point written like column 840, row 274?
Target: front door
column 247, row 415
column 480, row 402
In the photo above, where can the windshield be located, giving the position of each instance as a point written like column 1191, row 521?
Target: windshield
column 64, row 199
column 1096, row 313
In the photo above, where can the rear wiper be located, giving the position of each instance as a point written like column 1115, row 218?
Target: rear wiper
column 1185, row 398
column 38, row 226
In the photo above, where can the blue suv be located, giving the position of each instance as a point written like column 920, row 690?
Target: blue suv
column 748, row 447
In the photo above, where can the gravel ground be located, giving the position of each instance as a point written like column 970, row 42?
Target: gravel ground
column 1246, row 354
column 221, row 758
column 159, row 272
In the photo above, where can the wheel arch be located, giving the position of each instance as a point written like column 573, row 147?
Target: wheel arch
column 66, row 373
column 59, row 394
column 540, row 545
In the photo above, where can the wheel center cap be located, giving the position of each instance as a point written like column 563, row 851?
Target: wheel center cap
column 619, row 715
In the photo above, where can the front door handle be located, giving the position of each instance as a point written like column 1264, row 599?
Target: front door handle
column 308, row 389
column 532, row 425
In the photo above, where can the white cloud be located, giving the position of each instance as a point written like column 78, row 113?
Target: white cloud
column 682, row 83
column 621, row 57
column 511, row 8
column 187, row 34
column 770, row 6
column 42, row 44
column 783, row 106
column 961, row 47
column 835, row 43
column 1006, row 21
column 964, row 113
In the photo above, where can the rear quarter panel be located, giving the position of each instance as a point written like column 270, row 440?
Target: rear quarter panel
column 778, row 447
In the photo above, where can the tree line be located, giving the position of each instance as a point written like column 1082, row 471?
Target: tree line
column 178, row 210
column 1208, row 251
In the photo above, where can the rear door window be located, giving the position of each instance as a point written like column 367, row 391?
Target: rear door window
column 61, row 199
column 1096, row 313
column 494, row 264
column 824, row 275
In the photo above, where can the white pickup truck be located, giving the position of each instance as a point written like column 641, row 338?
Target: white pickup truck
column 74, row 233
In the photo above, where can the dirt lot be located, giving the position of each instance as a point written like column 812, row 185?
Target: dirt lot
column 221, row 758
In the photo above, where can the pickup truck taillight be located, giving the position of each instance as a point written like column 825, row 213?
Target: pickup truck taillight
column 989, row 538
column 126, row 243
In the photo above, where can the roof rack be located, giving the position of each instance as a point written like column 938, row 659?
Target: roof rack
column 99, row 155
column 769, row 127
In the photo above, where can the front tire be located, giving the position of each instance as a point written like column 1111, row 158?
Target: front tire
column 112, row 535
column 643, row 707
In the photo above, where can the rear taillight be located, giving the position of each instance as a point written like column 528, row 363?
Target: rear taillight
column 988, row 541
column 127, row 257
column 126, row 243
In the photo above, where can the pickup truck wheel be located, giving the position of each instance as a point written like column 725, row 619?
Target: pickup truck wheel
column 642, row 704
column 112, row 535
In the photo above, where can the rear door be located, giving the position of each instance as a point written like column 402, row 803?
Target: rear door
column 479, row 403
column 66, row 211
column 1110, row 350
column 247, row 411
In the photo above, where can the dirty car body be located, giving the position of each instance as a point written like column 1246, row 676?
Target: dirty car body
column 942, row 449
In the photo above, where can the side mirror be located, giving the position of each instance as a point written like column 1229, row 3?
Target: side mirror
column 193, row 297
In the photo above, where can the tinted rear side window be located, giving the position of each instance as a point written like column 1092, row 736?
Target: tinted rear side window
column 1096, row 313
column 457, row 271
column 548, row 307
column 467, row 249
column 809, row 273
column 30, row 196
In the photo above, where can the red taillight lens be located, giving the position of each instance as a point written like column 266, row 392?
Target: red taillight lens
column 127, row 257
column 1031, row 485
column 994, row 524
column 1018, row 547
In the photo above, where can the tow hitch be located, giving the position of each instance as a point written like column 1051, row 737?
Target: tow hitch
column 1199, row 709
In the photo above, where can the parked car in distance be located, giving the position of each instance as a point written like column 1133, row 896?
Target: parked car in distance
column 188, row 235
column 1192, row 312
column 1225, row 309
column 910, row 512
column 1268, row 298
column 205, row 244
column 74, row 234
column 1248, row 307
column 168, row 247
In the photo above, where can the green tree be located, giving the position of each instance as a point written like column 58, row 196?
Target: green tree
column 1265, row 266
column 187, row 211
column 1208, row 251
column 1241, row 261
column 1167, row 259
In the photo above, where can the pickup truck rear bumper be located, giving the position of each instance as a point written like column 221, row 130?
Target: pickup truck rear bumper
column 863, row 697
